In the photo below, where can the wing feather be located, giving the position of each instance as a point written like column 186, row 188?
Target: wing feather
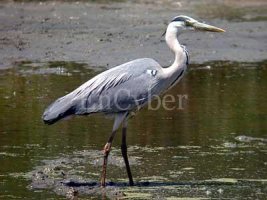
column 89, row 97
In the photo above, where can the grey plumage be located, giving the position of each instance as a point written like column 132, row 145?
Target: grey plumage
column 122, row 88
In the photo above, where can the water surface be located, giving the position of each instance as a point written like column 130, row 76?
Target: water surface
column 214, row 147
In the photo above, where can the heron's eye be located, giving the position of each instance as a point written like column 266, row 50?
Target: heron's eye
column 188, row 23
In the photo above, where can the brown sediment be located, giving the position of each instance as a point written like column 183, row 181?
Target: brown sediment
column 114, row 33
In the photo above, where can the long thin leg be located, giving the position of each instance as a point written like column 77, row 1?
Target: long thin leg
column 106, row 151
column 124, row 153
column 118, row 120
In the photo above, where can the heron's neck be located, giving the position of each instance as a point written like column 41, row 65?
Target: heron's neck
column 174, row 45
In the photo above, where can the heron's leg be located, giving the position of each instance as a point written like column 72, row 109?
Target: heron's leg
column 106, row 151
column 118, row 120
column 124, row 153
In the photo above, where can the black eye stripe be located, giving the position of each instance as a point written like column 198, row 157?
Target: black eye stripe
column 178, row 19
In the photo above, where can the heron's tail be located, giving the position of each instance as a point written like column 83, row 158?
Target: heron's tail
column 59, row 109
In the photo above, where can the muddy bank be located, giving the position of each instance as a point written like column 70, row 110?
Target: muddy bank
column 77, row 174
column 112, row 33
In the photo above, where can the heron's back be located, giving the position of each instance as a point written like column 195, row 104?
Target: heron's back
column 107, row 92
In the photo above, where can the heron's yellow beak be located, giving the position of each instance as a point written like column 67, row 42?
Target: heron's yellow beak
column 205, row 27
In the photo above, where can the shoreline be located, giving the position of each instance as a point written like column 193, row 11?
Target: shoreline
column 107, row 35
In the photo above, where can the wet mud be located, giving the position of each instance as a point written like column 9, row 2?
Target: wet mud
column 77, row 175
column 108, row 34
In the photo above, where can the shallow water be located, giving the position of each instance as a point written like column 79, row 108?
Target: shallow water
column 215, row 147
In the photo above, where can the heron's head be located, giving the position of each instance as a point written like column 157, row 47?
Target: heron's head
column 183, row 23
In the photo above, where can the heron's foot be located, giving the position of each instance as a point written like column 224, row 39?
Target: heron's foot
column 107, row 149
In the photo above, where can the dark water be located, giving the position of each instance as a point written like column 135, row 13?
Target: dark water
column 215, row 147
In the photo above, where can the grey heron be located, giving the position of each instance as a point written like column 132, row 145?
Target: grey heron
column 124, row 89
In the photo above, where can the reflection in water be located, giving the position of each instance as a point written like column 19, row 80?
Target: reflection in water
column 220, row 133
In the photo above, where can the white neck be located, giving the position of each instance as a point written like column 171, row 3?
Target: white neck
column 173, row 43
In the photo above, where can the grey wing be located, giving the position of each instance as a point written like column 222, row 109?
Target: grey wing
column 121, row 89
column 118, row 89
